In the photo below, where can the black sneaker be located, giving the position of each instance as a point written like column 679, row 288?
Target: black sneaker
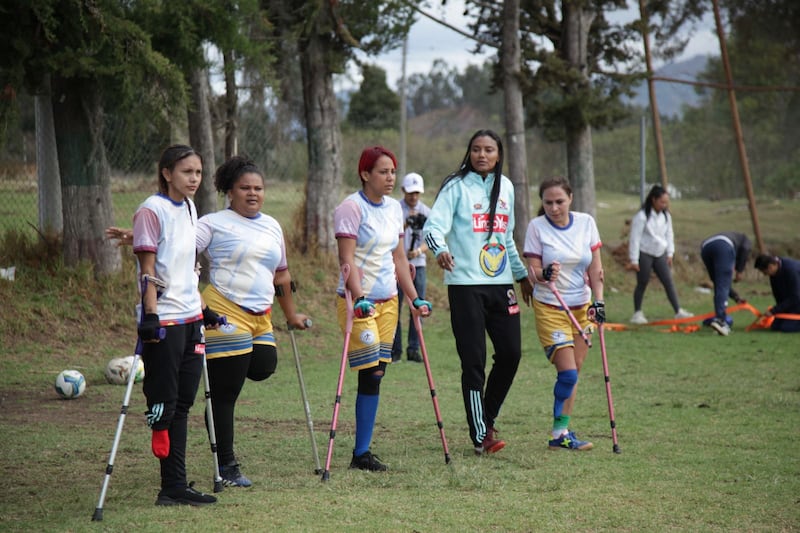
column 367, row 461
column 233, row 477
column 184, row 496
column 413, row 355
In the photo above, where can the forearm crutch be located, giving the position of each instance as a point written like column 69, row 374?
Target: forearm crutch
column 571, row 316
column 418, row 325
column 608, row 388
column 212, row 434
column 348, row 303
column 301, row 381
column 137, row 352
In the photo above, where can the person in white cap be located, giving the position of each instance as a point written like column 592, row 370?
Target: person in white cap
column 415, row 213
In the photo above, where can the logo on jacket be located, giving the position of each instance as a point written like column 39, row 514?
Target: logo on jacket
column 493, row 259
column 480, row 223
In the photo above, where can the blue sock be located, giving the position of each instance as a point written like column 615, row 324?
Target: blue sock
column 366, row 410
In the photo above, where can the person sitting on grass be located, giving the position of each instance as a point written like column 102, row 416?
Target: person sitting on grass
column 784, row 278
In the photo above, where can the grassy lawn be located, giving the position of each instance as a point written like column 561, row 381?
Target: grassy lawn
column 707, row 425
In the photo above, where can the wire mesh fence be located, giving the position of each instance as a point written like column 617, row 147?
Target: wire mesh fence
column 132, row 160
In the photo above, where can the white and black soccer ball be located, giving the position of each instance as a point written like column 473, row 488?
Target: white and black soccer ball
column 119, row 368
column 70, row 384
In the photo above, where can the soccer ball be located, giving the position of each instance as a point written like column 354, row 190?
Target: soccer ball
column 119, row 368
column 70, row 384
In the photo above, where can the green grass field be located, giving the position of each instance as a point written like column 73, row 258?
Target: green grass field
column 708, row 425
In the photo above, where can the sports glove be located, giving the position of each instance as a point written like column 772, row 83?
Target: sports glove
column 363, row 308
column 210, row 318
column 150, row 329
column 419, row 302
column 547, row 272
column 597, row 312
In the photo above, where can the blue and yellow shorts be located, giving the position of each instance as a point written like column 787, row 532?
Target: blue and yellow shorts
column 555, row 329
column 372, row 338
column 243, row 331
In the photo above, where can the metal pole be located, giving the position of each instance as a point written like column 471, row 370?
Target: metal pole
column 737, row 128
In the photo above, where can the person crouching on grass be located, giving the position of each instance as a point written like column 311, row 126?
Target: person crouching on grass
column 164, row 244
column 368, row 226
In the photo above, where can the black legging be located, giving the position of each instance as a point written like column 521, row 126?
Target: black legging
column 648, row 263
column 226, row 377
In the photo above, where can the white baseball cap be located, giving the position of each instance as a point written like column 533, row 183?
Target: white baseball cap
column 413, row 183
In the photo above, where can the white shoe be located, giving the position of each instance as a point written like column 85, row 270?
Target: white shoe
column 638, row 318
column 720, row 327
column 683, row 313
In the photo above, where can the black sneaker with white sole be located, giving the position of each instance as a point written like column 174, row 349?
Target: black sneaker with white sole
column 367, row 461
column 184, row 496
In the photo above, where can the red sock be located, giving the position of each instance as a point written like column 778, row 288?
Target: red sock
column 160, row 443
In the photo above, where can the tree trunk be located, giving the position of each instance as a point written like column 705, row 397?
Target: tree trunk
column 51, row 216
column 201, row 137
column 514, row 119
column 85, row 175
column 324, row 141
column 580, row 167
column 231, row 106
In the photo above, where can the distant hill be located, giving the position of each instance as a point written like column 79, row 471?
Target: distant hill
column 673, row 96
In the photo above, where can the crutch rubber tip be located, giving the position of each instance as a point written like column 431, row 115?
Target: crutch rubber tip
column 318, row 471
column 447, row 458
column 616, row 449
column 218, row 486
column 326, row 475
column 98, row 515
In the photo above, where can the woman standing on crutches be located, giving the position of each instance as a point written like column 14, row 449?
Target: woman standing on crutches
column 164, row 244
column 369, row 235
column 248, row 270
column 563, row 248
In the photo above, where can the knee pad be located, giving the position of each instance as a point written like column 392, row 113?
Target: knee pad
column 565, row 383
column 369, row 380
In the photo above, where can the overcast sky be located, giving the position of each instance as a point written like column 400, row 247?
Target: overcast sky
column 429, row 41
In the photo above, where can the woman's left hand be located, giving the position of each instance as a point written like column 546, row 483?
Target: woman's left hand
column 299, row 321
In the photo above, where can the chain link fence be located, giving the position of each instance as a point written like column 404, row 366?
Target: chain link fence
column 132, row 158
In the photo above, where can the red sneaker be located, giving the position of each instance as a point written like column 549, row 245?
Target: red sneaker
column 490, row 444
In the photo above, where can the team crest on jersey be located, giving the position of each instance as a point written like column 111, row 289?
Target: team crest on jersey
column 493, row 259
column 367, row 337
column 502, row 203
column 558, row 336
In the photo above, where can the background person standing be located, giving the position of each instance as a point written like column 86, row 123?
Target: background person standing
column 651, row 247
column 415, row 213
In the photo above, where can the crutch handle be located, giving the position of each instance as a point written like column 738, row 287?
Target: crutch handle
column 307, row 323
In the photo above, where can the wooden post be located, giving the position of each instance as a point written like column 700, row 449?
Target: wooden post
column 651, row 89
column 737, row 128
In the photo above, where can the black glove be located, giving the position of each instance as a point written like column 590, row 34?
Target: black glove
column 547, row 272
column 210, row 318
column 150, row 329
column 597, row 312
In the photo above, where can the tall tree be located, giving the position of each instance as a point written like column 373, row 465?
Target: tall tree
column 328, row 32
column 91, row 52
column 374, row 105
